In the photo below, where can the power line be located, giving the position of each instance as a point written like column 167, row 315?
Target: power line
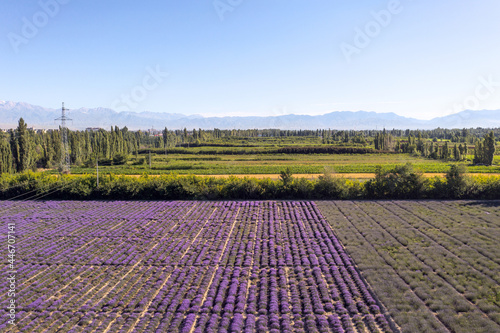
column 36, row 196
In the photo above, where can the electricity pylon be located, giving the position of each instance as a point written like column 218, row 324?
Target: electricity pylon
column 65, row 162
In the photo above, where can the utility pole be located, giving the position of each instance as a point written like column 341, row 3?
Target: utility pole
column 65, row 162
column 150, row 159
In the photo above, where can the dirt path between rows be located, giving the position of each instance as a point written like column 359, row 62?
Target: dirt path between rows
column 316, row 175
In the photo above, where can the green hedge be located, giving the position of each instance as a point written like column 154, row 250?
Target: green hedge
column 401, row 182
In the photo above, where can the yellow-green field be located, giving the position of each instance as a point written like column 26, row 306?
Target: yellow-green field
column 243, row 164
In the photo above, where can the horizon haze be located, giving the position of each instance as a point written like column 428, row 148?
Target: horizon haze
column 40, row 117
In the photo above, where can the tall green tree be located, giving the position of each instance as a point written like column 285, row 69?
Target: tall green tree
column 165, row 138
column 478, row 152
column 24, row 146
column 5, row 157
column 14, row 147
column 456, row 152
column 485, row 150
column 445, row 152
column 75, row 148
column 489, row 148
column 48, row 151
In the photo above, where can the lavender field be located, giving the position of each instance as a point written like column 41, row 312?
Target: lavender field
column 435, row 265
column 183, row 267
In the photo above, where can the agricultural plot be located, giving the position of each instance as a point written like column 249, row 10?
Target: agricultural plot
column 262, row 163
column 434, row 265
column 183, row 267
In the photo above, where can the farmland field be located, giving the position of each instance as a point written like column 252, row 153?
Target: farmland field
column 227, row 164
column 254, row 266
column 184, row 266
column 435, row 265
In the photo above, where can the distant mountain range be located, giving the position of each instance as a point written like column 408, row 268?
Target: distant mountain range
column 40, row 117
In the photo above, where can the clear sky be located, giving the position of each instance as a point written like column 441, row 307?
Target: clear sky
column 417, row 58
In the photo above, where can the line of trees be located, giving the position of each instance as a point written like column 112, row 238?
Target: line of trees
column 383, row 141
column 24, row 149
column 17, row 150
column 484, row 149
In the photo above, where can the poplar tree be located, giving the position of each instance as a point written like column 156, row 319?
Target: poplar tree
column 165, row 137
column 456, row 152
column 14, row 147
column 445, row 152
column 489, row 148
column 24, row 147
column 478, row 152
column 5, row 157
column 485, row 150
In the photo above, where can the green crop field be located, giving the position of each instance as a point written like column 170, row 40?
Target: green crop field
column 218, row 164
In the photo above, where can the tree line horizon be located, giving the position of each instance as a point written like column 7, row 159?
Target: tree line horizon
column 23, row 149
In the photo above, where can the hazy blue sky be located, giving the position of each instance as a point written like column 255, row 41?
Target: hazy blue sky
column 266, row 57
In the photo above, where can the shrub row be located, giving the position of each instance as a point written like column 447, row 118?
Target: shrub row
column 401, row 182
column 247, row 150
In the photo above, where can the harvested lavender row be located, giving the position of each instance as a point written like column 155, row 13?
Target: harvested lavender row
column 184, row 267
